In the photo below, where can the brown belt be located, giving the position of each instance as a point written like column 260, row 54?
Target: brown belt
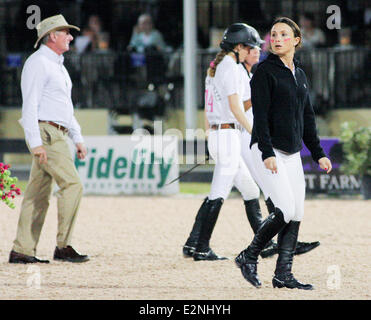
column 223, row 126
column 58, row 126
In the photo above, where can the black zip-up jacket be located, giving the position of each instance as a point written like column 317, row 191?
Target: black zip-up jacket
column 283, row 113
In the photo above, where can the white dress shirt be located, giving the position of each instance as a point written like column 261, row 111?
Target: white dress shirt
column 46, row 92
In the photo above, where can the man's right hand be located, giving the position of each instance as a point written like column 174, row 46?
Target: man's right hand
column 41, row 153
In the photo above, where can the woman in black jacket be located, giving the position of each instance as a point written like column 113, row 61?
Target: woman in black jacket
column 283, row 119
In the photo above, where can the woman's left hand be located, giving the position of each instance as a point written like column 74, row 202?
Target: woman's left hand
column 325, row 164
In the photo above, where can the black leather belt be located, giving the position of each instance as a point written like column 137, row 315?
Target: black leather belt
column 58, row 126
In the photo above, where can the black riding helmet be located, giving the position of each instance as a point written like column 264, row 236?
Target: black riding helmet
column 240, row 33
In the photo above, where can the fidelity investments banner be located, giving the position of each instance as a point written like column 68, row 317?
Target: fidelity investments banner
column 129, row 165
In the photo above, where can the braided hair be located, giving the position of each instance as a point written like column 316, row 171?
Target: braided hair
column 219, row 57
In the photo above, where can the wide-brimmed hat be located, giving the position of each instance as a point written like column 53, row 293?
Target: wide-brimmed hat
column 51, row 24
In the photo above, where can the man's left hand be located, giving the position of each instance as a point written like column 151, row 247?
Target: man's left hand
column 81, row 151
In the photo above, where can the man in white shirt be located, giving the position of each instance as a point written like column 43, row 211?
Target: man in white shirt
column 47, row 118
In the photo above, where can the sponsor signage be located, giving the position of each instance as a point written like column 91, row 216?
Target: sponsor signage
column 129, row 165
column 318, row 181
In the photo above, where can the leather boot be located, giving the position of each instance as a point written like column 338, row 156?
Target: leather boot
column 203, row 250
column 272, row 248
column 304, row 247
column 270, row 205
column 191, row 243
column 254, row 215
column 247, row 260
column 287, row 239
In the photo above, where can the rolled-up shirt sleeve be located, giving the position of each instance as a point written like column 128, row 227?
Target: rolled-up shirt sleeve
column 74, row 131
column 33, row 80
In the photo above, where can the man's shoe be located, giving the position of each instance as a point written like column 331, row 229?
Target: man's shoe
column 15, row 257
column 209, row 255
column 188, row 251
column 69, row 254
column 304, row 247
column 288, row 281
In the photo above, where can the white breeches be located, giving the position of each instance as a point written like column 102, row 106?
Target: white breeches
column 286, row 188
column 247, row 157
column 230, row 169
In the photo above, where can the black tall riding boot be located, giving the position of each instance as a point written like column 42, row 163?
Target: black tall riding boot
column 191, row 243
column 283, row 277
column 203, row 250
column 270, row 205
column 254, row 215
column 272, row 248
column 247, row 260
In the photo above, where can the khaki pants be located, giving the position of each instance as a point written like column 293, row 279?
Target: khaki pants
column 60, row 167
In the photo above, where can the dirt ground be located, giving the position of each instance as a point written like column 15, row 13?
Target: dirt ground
column 135, row 248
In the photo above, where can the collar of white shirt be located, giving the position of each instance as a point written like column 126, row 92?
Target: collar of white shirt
column 49, row 53
column 293, row 69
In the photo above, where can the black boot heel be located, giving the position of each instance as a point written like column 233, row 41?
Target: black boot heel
column 188, row 251
column 277, row 283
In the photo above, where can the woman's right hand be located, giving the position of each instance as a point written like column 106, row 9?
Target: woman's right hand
column 271, row 164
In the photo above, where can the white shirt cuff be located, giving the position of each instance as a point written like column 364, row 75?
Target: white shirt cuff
column 34, row 142
column 77, row 139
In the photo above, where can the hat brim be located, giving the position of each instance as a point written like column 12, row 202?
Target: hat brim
column 67, row 26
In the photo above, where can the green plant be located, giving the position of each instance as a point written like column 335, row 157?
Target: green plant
column 357, row 149
column 8, row 189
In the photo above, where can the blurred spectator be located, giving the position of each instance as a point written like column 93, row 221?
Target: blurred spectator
column 345, row 80
column 145, row 36
column 345, row 39
column 93, row 37
column 311, row 35
column 265, row 46
column 367, row 22
column 367, row 16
